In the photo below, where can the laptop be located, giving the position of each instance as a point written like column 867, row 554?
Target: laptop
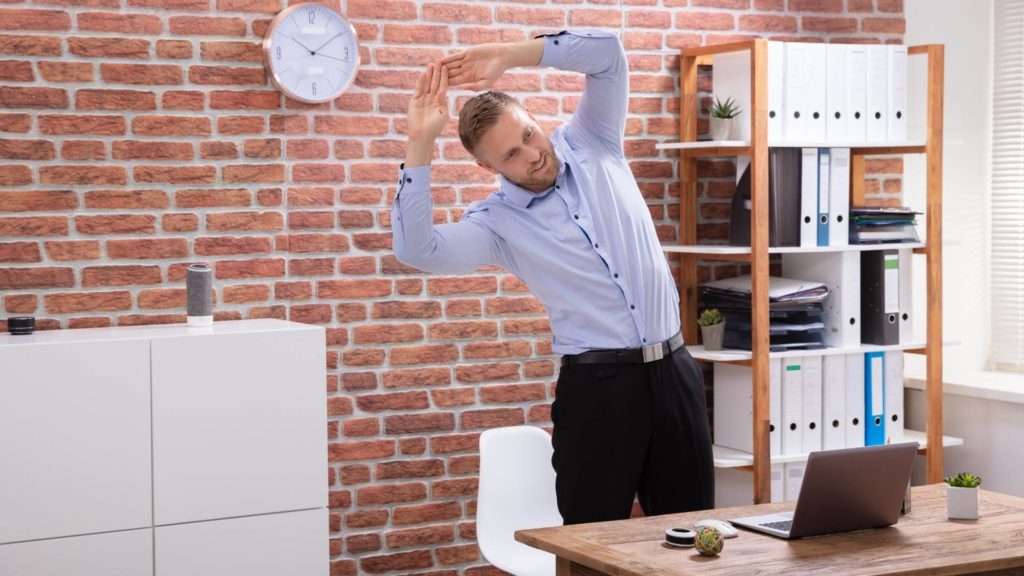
column 844, row 490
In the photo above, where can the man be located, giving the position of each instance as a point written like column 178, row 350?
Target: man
column 569, row 220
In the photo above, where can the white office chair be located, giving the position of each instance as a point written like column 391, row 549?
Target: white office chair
column 517, row 491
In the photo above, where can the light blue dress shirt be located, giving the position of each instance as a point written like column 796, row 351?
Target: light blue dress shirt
column 586, row 247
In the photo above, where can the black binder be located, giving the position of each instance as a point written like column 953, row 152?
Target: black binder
column 784, row 166
column 880, row 297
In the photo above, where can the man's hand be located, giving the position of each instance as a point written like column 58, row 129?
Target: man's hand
column 479, row 67
column 428, row 114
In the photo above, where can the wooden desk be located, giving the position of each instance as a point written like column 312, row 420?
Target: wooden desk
column 924, row 542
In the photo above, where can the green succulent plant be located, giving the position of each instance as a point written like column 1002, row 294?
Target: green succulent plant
column 710, row 317
column 727, row 109
column 963, row 480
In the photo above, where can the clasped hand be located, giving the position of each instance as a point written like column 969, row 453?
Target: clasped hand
column 475, row 69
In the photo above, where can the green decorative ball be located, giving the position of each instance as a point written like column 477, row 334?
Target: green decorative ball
column 709, row 541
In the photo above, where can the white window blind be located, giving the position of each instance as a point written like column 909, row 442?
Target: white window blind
column 1007, row 205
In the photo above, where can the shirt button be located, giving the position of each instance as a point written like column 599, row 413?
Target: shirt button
column 556, row 42
column 596, row 246
column 645, row 340
column 632, row 307
column 408, row 180
column 615, row 275
column 576, row 216
column 557, row 187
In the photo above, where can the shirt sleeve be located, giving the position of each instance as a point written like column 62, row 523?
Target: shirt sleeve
column 446, row 248
column 600, row 118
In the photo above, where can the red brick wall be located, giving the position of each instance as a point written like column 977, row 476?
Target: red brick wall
column 139, row 135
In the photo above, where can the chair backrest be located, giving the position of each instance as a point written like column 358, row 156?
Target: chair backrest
column 517, row 491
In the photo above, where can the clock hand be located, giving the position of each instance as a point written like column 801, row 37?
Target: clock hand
column 333, row 58
column 328, row 42
column 299, row 43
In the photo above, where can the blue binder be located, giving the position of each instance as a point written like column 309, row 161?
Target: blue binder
column 824, row 161
column 874, row 398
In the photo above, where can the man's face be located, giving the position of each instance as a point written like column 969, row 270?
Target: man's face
column 517, row 148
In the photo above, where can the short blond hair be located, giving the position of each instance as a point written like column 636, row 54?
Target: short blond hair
column 480, row 113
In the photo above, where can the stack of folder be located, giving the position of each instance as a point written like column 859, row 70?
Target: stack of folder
column 883, row 225
column 795, row 312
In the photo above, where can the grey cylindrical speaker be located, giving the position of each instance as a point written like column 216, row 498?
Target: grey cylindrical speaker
column 199, row 293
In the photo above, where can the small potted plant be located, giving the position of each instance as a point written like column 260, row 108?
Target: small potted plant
column 722, row 114
column 962, row 496
column 712, row 327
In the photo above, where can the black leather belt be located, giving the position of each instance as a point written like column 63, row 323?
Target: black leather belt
column 626, row 355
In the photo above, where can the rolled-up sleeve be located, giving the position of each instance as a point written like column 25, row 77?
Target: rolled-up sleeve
column 446, row 248
column 600, row 117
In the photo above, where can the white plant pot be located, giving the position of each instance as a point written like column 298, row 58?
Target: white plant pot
column 962, row 503
column 721, row 128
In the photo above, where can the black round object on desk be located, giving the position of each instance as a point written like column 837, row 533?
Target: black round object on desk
column 21, row 325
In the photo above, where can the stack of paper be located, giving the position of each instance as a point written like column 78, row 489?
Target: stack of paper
column 795, row 312
column 883, row 225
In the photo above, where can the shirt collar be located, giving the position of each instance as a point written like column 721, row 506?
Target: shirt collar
column 521, row 197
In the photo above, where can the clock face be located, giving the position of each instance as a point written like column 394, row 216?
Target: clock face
column 311, row 53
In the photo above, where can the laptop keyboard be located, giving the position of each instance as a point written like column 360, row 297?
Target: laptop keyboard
column 784, row 525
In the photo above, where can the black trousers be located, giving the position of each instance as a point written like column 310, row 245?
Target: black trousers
column 632, row 429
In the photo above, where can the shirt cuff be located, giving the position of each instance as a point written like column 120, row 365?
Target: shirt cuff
column 415, row 178
column 557, row 46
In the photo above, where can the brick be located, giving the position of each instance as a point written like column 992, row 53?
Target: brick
column 829, row 25
column 348, row 125
column 16, row 71
column 355, row 219
column 72, row 250
column 374, row 288
column 266, row 6
column 231, row 245
column 216, row 197
column 89, row 322
column 818, row 6
column 58, row 124
column 147, row 248
column 245, row 100
column 462, row 308
column 487, row 372
column 366, row 519
column 386, row 9
column 583, row 17
column 28, row 19
column 387, row 333
column 462, row 554
column 430, row 354
column 307, row 149
column 363, row 357
column 214, row 150
column 393, row 401
column 34, row 226
column 310, row 220
column 174, row 49
column 107, row 47
column 75, row 302
column 410, row 468
column 492, row 418
column 307, row 243
column 15, row 175
column 114, row 22
column 84, row 175
column 253, row 268
column 151, row 150
column 32, row 97
column 226, row 75
column 30, row 45
column 93, row 276
column 162, row 298
column 391, row 493
column 450, row 397
column 262, row 148
column 288, row 124
column 311, row 267
column 464, row 465
column 293, row 290
column 884, row 25
column 418, row 423
column 15, row 122
column 175, row 174
column 513, row 393
column 462, row 285
column 412, row 446
column 539, row 326
column 88, row 99
column 767, row 23
column 423, row 536
column 127, row 199
column 36, row 200
column 246, row 293
column 401, row 561
column 451, row 488
column 22, row 252
column 362, row 543
column 172, row 126
column 231, row 51
column 25, row 278
column 179, row 222
column 417, row 34
column 387, row 172
column 115, row 224
column 455, row 443
column 351, row 313
column 310, row 196
column 21, row 303
column 183, row 100
column 462, row 330
column 416, row 378
column 514, row 305
column 267, row 173
column 360, row 450
column 403, row 56
column 178, row 5
column 206, row 26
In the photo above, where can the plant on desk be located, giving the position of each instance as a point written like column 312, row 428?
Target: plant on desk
column 712, row 327
column 722, row 114
column 962, row 496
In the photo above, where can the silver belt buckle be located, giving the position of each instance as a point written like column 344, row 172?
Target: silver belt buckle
column 653, row 352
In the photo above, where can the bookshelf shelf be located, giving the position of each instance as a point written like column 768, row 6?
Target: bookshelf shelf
column 743, row 252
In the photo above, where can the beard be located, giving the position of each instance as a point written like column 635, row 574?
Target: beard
column 540, row 180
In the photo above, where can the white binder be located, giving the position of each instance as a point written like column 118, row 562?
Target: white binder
column 897, row 93
column 840, row 271
column 856, row 93
column 793, row 473
column 775, row 405
column 733, row 401
column 839, row 197
column 854, row 400
column 877, row 93
column 792, row 405
column 809, row 197
column 811, row 405
column 817, row 78
column 795, row 89
column 776, row 82
column 834, row 402
column 836, row 94
column 906, row 319
column 778, row 483
column 893, row 396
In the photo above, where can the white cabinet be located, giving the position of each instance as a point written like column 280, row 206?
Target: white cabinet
column 128, row 553
column 208, row 463
column 210, row 440
column 268, row 545
column 74, row 439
